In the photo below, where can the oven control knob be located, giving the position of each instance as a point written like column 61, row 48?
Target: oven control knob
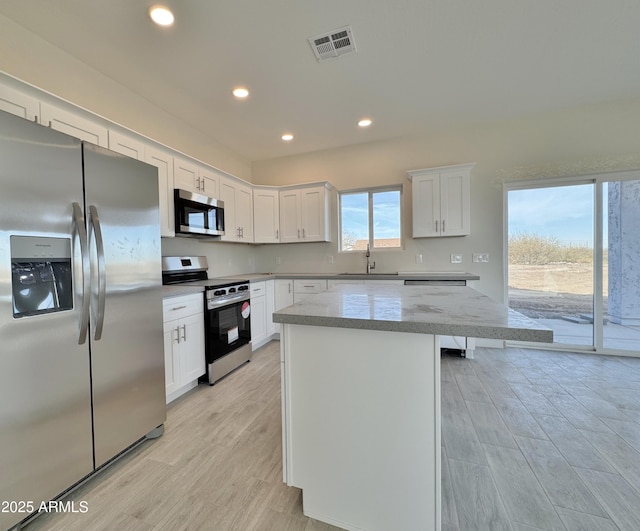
column 243, row 288
column 232, row 290
column 218, row 292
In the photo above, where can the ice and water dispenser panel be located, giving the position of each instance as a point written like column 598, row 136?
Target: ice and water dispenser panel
column 41, row 275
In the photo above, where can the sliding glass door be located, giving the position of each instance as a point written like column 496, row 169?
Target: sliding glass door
column 573, row 259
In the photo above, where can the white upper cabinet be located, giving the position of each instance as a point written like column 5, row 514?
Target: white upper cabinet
column 266, row 215
column 193, row 177
column 209, row 183
column 126, row 145
column 164, row 162
column 73, row 124
column 441, row 201
column 305, row 214
column 238, row 210
column 18, row 103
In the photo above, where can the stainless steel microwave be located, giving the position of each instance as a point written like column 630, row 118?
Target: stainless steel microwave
column 198, row 215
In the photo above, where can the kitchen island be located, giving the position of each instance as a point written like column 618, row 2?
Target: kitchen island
column 361, row 397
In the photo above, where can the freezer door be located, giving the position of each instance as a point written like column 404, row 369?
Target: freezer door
column 45, row 400
column 127, row 358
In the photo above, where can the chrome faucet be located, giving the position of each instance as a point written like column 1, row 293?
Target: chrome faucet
column 370, row 265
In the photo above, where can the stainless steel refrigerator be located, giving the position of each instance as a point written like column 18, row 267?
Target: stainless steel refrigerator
column 81, row 345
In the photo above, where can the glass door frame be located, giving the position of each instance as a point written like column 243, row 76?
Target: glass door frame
column 597, row 180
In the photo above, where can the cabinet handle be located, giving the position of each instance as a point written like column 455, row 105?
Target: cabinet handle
column 308, row 286
column 298, row 233
column 289, row 286
column 304, row 236
column 184, row 332
column 197, row 183
column 242, row 232
column 436, row 225
column 277, row 234
column 178, row 307
column 177, row 339
column 443, row 230
column 204, row 183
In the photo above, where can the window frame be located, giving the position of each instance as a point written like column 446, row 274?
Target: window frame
column 370, row 193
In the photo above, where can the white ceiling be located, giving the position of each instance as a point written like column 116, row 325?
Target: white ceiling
column 420, row 64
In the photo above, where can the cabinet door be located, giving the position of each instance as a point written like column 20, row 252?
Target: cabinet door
column 283, row 296
column 426, row 205
column 73, row 125
column 244, row 212
column 15, row 102
column 258, row 319
column 312, row 214
column 192, row 347
column 270, row 306
column 455, row 203
column 126, row 145
column 209, row 183
column 164, row 162
column 290, row 216
column 266, row 216
column 185, row 174
column 228, row 195
column 171, row 357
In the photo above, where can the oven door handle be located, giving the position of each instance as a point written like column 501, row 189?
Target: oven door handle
column 214, row 305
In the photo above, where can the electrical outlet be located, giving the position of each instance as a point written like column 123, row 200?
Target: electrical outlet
column 481, row 257
column 330, row 259
column 418, row 259
column 456, row 258
column 278, row 260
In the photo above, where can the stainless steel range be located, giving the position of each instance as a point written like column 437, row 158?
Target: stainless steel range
column 227, row 313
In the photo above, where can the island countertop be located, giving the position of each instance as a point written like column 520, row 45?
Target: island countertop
column 438, row 310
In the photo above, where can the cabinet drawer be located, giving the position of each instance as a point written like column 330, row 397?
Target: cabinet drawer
column 182, row 306
column 309, row 286
column 257, row 289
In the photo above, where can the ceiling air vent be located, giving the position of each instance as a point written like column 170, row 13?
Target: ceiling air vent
column 333, row 44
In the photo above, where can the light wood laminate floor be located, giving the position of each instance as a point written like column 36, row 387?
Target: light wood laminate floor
column 531, row 440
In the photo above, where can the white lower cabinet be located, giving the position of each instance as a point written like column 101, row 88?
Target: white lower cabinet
column 183, row 343
column 271, row 305
column 283, row 296
column 303, row 288
column 258, row 314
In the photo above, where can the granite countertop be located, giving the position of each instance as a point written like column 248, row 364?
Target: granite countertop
column 417, row 275
column 440, row 310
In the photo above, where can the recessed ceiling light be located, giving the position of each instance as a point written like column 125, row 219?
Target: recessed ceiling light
column 161, row 15
column 365, row 122
column 287, row 137
column 240, row 92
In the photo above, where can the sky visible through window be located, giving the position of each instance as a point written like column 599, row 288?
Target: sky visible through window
column 562, row 212
column 355, row 216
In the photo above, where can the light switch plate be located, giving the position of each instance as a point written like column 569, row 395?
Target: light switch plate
column 481, row 257
column 418, row 259
column 456, row 258
column 330, row 259
column 278, row 260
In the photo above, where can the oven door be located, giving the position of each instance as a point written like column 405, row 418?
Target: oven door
column 226, row 329
column 197, row 214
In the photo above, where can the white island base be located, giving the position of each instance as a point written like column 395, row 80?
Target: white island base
column 361, row 426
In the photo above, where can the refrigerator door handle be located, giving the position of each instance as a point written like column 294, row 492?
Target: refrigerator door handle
column 94, row 225
column 78, row 220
